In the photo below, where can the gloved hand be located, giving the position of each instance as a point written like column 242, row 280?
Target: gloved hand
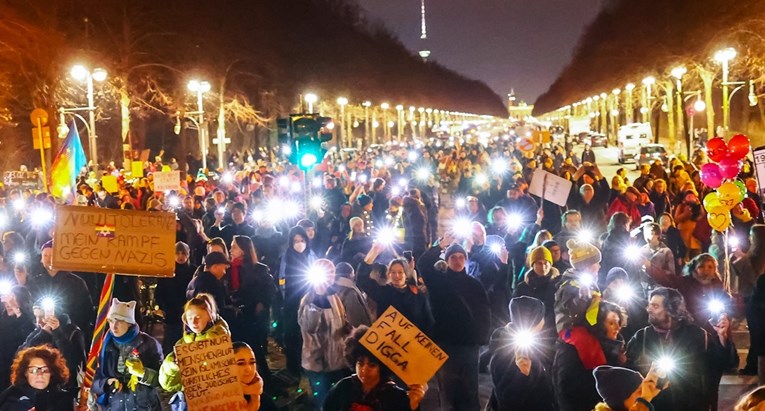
column 135, row 367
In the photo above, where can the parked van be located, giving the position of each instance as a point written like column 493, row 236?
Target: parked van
column 630, row 138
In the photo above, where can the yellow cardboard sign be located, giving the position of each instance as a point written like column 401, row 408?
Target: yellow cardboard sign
column 109, row 183
column 101, row 240
column 137, row 169
column 403, row 348
column 209, row 374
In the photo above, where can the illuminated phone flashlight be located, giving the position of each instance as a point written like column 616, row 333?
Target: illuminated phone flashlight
column 412, row 156
column 524, row 339
column 462, row 228
column 481, row 178
column 716, row 306
column 460, row 203
column 5, row 287
column 633, row 252
column 665, row 364
column 586, row 279
column 499, row 166
column 227, row 178
column 584, row 236
column 317, row 202
column 625, row 293
column 422, row 174
column 174, row 201
column 19, row 204
column 48, row 305
column 20, row 257
column 316, row 275
column 386, row 236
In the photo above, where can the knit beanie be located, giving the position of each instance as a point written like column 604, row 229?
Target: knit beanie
column 614, row 274
column 616, row 384
column 582, row 254
column 526, row 312
column 453, row 249
column 539, row 253
column 122, row 311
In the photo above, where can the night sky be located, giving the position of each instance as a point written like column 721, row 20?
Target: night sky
column 520, row 44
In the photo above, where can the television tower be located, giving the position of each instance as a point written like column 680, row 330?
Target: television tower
column 424, row 52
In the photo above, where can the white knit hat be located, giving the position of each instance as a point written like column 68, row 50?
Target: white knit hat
column 122, row 311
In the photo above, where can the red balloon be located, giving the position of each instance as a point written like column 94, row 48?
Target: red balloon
column 738, row 146
column 716, row 149
column 730, row 167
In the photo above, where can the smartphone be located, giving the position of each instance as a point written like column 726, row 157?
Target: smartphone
column 408, row 255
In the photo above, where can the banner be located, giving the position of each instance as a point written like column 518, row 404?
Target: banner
column 167, row 181
column 403, row 348
column 209, row 374
column 22, row 179
column 116, row 241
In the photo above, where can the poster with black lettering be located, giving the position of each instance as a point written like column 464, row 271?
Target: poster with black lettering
column 403, row 348
column 209, row 375
column 125, row 242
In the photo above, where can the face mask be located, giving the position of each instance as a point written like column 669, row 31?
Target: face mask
column 299, row 247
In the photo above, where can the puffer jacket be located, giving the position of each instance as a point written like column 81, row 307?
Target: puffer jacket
column 324, row 328
column 170, row 373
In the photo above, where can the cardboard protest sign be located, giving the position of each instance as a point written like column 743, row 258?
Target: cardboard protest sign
column 22, row 179
column 167, row 181
column 209, row 374
column 550, row 187
column 403, row 348
column 114, row 241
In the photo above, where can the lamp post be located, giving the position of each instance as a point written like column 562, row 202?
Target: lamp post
column 628, row 103
column 400, row 121
column 647, row 97
column 200, row 88
column 79, row 72
column 342, row 102
column 723, row 57
column 366, row 105
column 386, row 129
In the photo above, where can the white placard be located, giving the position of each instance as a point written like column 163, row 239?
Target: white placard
column 550, row 187
column 167, row 181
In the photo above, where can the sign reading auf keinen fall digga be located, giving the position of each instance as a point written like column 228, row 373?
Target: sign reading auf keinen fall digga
column 114, row 241
column 403, row 348
column 209, row 375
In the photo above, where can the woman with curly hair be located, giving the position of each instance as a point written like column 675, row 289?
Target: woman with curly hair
column 37, row 377
column 372, row 386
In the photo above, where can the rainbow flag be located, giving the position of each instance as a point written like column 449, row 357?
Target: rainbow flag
column 67, row 165
column 98, row 338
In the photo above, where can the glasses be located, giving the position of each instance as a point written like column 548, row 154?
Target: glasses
column 38, row 370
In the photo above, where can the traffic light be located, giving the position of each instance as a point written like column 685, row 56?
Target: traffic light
column 300, row 137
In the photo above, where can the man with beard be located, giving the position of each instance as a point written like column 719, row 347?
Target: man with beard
column 695, row 356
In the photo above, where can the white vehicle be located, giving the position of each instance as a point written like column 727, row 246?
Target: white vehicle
column 630, row 138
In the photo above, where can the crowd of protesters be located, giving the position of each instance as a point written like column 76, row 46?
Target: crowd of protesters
column 614, row 300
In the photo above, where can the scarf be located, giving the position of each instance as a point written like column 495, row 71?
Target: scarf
column 236, row 264
column 587, row 346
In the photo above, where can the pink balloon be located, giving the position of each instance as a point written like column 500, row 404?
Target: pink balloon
column 730, row 167
column 711, row 175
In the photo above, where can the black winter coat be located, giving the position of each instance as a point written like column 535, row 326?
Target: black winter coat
column 146, row 396
column 459, row 303
column 24, row 398
column 410, row 301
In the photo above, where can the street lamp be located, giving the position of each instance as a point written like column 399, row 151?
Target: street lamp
column 342, row 102
column 723, row 57
column 200, row 88
column 310, row 98
column 81, row 73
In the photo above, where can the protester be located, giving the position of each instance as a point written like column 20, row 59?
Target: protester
column 38, row 375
